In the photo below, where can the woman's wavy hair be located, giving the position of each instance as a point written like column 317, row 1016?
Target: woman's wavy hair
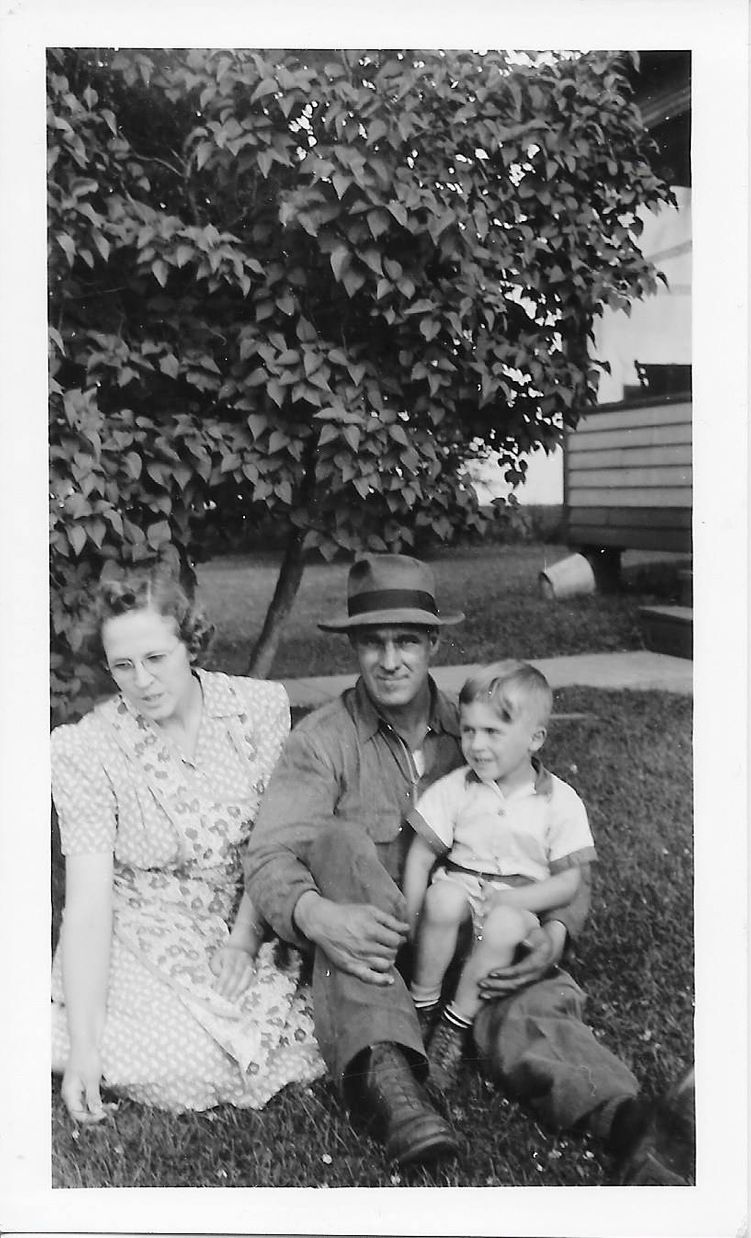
column 155, row 589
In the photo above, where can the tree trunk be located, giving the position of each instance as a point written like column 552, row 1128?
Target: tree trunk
column 288, row 582
column 188, row 578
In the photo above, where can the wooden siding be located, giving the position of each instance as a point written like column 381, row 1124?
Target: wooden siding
column 635, row 528
column 627, row 477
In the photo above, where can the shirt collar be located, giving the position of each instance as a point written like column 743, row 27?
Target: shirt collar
column 442, row 715
column 219, row 697
column 543, row 784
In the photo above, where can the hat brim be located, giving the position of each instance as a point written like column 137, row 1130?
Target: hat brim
column 378, row 618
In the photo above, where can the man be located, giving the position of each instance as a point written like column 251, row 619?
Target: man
column 324, row 867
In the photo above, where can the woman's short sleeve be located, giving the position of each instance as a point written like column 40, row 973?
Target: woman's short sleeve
column 82, row 792
column 268, row 707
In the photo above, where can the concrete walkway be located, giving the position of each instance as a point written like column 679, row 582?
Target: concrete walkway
column 638, row 669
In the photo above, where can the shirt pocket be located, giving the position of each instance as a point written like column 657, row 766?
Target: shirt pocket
column 382, row 827
column 375, row 796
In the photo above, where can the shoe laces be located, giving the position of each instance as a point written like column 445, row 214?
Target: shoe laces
column 447, row 1045
column 389, row 1066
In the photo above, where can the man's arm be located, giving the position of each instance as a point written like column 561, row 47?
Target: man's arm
column 358, row 938
column 300, row 799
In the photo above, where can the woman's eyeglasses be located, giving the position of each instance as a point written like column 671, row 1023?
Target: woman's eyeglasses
column 153, row 663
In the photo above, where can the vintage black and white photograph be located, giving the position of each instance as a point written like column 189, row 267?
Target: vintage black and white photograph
column 374, row 827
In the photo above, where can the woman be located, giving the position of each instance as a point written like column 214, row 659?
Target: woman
column 156, row 792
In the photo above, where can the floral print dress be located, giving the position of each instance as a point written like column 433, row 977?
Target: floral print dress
column 176, row 829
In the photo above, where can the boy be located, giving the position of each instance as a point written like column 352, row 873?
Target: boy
column 509, row 837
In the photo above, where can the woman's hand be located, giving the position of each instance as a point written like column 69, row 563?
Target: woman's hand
column 233, row 967
column 80, row 1086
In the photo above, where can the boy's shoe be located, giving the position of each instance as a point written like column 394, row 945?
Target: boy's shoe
column 445, row 1054
column 663, row 1148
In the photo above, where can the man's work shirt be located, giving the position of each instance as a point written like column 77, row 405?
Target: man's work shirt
column 343, row 762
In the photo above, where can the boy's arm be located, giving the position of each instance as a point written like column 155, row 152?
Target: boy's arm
column 420, row 860
column 570, row 845
column 573, row 917
column 552, row 892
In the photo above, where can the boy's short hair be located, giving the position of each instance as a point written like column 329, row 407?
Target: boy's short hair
column 532, row 685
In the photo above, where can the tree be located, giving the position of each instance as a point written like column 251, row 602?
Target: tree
column 309, row 287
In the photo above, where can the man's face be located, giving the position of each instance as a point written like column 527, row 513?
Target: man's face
column 394, row 662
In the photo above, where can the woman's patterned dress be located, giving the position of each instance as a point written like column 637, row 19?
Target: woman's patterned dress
column 176, row 829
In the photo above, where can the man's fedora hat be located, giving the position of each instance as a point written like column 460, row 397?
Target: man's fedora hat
column 384, row 589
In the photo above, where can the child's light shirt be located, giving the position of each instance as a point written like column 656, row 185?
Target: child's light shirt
column 539, row 829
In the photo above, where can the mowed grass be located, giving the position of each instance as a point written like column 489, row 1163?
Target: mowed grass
column 496, row 587
column 629, row 755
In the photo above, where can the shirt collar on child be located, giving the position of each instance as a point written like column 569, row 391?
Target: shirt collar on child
column 542, row 785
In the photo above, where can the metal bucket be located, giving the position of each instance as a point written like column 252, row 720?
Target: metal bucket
column 567, row 578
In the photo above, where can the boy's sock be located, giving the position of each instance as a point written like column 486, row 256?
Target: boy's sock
column 424, row 995
column 456, row 1018
column 426, row 1004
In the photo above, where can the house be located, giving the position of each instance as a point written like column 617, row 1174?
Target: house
column 627, row 480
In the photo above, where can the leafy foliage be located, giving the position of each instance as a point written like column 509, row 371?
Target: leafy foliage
column 310, row 286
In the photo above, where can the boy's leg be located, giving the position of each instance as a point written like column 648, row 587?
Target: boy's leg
column 502, row 931
column 445, row 909
column 498, row 936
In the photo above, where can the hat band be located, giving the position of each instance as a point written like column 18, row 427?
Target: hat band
column 391, row 599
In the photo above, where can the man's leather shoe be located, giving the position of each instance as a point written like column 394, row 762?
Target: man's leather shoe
column 662, row 1148
column 396, row 1106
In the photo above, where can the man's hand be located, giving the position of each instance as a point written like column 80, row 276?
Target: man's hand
column 544, row 948
column 358, row 938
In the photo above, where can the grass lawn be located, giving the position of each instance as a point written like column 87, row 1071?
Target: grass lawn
column 629, row 756
column 496, row 586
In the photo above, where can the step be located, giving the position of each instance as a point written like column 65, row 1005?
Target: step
column 669, row 629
